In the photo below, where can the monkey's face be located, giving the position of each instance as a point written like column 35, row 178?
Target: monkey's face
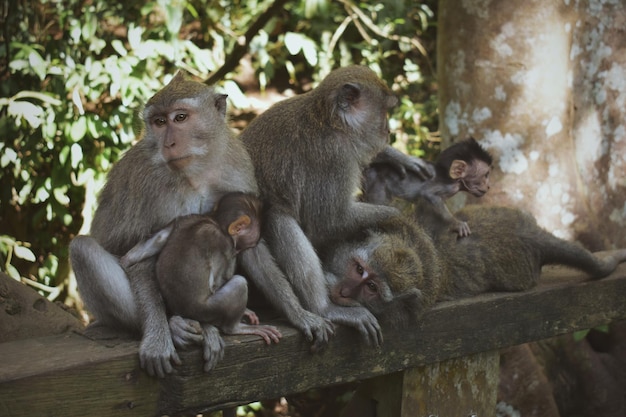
column 360, row 282
column 184, row 118
column 476, row 180
column 360, row 285
column 175, row 130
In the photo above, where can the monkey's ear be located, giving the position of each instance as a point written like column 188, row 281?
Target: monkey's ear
column 348, row 95
column 220, row 103
column 458, row 169
column 242, row 222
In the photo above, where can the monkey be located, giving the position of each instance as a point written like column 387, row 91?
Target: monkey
column 308, row 152
column 196, row 250
column 186, row 159
column 399, row 260
column 463, row 166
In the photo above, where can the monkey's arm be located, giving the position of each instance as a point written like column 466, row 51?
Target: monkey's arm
column 403, row 163
column 260, row 267
column 147, row 248
column 435, row 193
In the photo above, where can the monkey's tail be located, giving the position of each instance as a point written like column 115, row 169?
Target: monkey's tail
column 558, row 251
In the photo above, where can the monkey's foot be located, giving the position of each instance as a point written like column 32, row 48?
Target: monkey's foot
column 213, row 346
column 185, row 332
column 268, row 333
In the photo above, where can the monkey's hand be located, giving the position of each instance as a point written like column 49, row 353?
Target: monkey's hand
column 251, row 316
column 402, row 163
column 185, row 332
column 361, row 319
column 462, row 228
column 316, row 329
column 156, row 354
column 213, row 347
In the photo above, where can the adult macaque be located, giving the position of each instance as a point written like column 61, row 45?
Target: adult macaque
column 196, row 269
column 186, row 160
column 308, row 152
column 463, row 166
column 399, row 260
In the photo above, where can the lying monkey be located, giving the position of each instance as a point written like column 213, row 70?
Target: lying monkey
column 399, row 269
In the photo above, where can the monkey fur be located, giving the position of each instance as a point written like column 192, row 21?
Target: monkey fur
column 186, row 160
column 410, row 267
column 308, row 152
column 199, row 252
column 463, row 166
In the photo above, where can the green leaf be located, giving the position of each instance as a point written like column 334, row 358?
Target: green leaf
column 28, row 111
column 61, row 196
column 23, row 252
column 119, row 47
column 78, row 130
column 9, row 156
column 77, row 155
column 37, row 64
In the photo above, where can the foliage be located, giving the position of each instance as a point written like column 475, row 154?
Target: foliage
column 75, row 72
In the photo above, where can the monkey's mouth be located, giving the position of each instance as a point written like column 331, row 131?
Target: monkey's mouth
column 180, row 162
column 478, row 193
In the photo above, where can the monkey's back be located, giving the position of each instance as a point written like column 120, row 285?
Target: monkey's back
column 501, row 254
column 197, row 259
column 308, row 150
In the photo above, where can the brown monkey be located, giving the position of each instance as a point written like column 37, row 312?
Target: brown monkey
column 463, row 166
column 308, row 152
column 399, row 259
column 196, row 250
column 186, row 160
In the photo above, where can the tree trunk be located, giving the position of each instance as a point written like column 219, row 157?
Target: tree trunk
column 542, row 85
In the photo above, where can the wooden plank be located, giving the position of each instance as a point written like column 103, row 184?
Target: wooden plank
column 71, row 375
column 466, row 386
column 68, row 375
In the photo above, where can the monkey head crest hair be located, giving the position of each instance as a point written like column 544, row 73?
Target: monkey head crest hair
column 181, row 87
column 467, row 150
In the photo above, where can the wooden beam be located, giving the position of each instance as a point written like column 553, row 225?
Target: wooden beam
column 70, row 374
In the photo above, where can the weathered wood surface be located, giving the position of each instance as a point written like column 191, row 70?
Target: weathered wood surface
column 71, row 375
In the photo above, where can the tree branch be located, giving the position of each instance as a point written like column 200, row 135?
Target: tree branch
column 241, row 47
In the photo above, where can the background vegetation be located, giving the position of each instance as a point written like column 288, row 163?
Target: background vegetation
column 75, row 73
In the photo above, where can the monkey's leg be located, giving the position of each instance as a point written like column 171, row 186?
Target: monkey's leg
column 118, row 301
column 103, row 284
column 227, row 306
column 304, row 270
column 260, row 266
column 559, row 251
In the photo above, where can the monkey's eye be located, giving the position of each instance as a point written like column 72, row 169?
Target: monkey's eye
column 372, row 286
column 159, row 121
column 359, row 269
column 180, row 117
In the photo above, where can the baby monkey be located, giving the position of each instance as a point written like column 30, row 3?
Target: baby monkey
column 463, row 166
column 196, row 270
